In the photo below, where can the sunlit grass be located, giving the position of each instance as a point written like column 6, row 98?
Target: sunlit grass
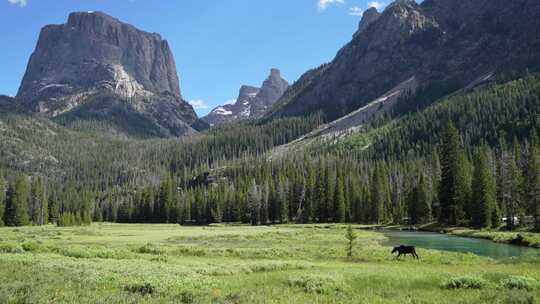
column 112, row 263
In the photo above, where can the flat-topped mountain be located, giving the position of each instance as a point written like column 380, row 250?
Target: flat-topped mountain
column 251, row 103
column 97, row 67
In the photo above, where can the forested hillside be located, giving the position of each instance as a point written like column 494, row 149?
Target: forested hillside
column 36, row 146
column 486, row 114
column 413, row 168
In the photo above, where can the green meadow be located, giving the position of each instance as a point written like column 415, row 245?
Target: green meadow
column 114, row 263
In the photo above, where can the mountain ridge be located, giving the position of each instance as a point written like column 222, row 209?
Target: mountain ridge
column 252, row 102
column 443, row 41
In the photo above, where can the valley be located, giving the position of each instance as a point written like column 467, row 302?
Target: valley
column 114, row 189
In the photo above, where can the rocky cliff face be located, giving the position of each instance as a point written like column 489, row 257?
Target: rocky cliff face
column 451, row 43
column 251, row 103
column 371, row 15
column 94, row 54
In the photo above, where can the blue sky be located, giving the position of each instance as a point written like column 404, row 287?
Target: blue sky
column 218, row 45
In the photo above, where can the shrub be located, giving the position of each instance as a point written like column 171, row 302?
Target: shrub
column 316, row 283
column 519, row 297
column 32, row 246
column 465, row 282
column 233, row 298
column 160, row 259
column 187, row 297
column 150, row 249
column 190, row 251
column 75, row 252
column 114, row 254
column 518, row 282
column 93, row 253
column 143, row 289
column 11, row 248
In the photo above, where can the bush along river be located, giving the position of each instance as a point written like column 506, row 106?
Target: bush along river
column 438, row 241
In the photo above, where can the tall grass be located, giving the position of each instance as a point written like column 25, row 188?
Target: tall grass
column 113, row 263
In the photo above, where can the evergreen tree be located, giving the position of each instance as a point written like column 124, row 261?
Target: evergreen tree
column 419, row 203
column 254, row 200
column 423, row 209
column 124, row 215
column 511, row 190
column 463, row 185
column 39, row 209
column 533, row 180
column 484, row 194
column 351, row 237
column 165, row 201
column 149, row 205
column 300, row 200
column 216, row 209
column 17, row 203
column 283, row 190
column 330, row 180
column 307, row 210
column 186, row 208
column 2, row 200
column 320, row 194
column 452, row 188
column 265, row 199
column 355, row 204
column 519, row 183
column 273, row 202
column 53, row 204
column 378, row 196
column 339, row 201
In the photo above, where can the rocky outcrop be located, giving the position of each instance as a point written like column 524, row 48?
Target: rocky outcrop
column 95, row 54
column 251, row 103
column 371, row 15
column 272, row 89
column 446, row 42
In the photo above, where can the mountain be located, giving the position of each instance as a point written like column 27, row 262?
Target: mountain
column 443, row 44
column 95, row 67
column 233, row 112
column 251, row 103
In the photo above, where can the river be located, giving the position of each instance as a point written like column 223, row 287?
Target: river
column 430, row 240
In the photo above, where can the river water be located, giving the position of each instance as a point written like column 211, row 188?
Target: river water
column 446, row 242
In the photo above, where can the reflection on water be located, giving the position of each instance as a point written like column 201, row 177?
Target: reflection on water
column 453, row 243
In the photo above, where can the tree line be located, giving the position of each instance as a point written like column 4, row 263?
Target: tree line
column 470, row 160
column 29, row 201
column 450, row 186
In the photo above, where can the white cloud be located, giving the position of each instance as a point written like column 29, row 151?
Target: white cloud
column 198, row 104
column 376, row 4
column 230, row 101
column 21, row 3
column 324, row 4
column 355, row 11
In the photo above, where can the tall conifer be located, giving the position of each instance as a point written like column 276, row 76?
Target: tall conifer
column 17, row 203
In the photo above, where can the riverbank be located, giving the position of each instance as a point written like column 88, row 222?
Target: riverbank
column 519, row 238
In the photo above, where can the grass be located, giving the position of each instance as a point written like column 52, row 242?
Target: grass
column 113, row 263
